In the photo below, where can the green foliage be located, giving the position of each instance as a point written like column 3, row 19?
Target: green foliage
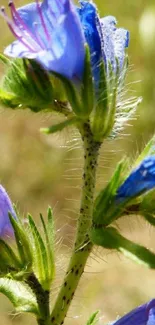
column 43, row 251
column 33, row 268
column 27, row 85
column 93, row 318
column 23, row 243
column 20, row 295
column 99, row 114
column 9, row 262
column 110, row 238
column 72, row 95
column 105, row 208
column 49, row 237
column 87, row 87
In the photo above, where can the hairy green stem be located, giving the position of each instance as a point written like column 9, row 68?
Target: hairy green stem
column 82, row 245
column 42, row 297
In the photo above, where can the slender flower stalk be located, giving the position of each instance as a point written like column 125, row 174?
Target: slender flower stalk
column 82, row 245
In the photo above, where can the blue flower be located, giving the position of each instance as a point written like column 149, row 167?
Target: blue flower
column 142, row 315
column 106, row 42
column 5, row 207
column 54, row 34
column 141, row 180
column 49, row 32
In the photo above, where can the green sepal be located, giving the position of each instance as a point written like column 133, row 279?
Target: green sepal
column 40, row 83
column 93, row 318
column 72, row 95
column 20, row 296
column 9, row 262
column 27, row 85
column 22, row 84
column 87, row 87
column 41, row 265
column 49, row 237
column 99, row 114
column 105, row 208
column 60, row 126
column 110, row 238
column 22, row 242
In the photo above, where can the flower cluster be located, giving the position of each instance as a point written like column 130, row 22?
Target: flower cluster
column 54, row 33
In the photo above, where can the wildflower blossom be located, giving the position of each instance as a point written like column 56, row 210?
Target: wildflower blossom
column 142, row 315
column 5, row 207
column 49, row 32
column 140, row 180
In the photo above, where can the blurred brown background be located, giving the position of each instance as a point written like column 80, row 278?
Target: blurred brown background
column 39, row 170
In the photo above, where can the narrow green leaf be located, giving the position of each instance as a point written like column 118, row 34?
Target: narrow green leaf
column 92, row 320
column 60, row 126
column 51, row 238
column 110, row 238
column 87, row 88
column 49, row 235
column 20, row 295
column 99, row 114
column 22, row 242
column 12, row 259
column 105, row 209
column 40, row 259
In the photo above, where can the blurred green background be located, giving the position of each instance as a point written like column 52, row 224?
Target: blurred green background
column 39, row 170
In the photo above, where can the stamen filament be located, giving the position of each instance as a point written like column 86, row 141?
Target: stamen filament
column 14, row 29
column 16, row 17
column 42, row 20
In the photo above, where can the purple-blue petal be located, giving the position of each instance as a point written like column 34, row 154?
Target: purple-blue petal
column 18, row 50
column 5, row 207
column 143, row 315
column 121, row 41
column 108, row 26
column 51, row 34
column 28, row 14
column 90, row 22
column 105, row 41
column 141, row 180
